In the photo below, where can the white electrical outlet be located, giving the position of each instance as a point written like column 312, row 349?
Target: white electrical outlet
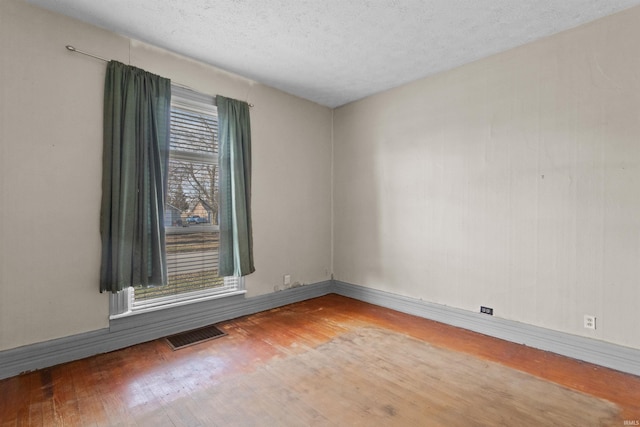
column 286, row 279
column 589, row 321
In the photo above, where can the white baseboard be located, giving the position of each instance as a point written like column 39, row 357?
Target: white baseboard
column 601, row 353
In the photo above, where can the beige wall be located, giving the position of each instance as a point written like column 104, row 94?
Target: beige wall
column 50, row 163
column 512, row 182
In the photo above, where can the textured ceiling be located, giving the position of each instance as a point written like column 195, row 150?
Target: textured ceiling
column 335, row 51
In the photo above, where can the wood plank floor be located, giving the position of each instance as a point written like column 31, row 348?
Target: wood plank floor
column 149, row 384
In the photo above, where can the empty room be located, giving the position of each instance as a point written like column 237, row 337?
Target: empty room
column 332, row 213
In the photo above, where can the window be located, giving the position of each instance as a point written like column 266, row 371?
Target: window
column 191, row 211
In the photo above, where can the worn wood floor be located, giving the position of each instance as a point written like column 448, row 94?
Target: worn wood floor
column 257, row 374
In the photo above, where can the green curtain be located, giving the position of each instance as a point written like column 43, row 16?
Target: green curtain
column 134, row 178
column 236, row 242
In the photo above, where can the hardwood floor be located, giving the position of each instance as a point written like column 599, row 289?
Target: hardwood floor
column 230, row 380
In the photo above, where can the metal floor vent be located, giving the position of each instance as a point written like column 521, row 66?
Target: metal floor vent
column 195, row 336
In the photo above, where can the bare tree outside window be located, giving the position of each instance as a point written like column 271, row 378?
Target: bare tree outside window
column 192, row 183
column 193, row 170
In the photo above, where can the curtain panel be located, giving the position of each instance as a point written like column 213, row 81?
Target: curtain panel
column 236, row 241
column 134, row 180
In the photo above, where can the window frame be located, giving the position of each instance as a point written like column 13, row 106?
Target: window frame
column 123, row 304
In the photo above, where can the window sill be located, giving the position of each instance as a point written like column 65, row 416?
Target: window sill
column 144, row 310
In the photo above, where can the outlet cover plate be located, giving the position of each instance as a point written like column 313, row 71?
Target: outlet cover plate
column 589, row 321
column 486, row 310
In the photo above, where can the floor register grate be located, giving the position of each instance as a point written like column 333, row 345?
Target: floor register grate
column 195, row 336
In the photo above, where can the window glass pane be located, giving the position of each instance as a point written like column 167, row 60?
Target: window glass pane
column 193, row 132
column 192, row 193
column 192, row 261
